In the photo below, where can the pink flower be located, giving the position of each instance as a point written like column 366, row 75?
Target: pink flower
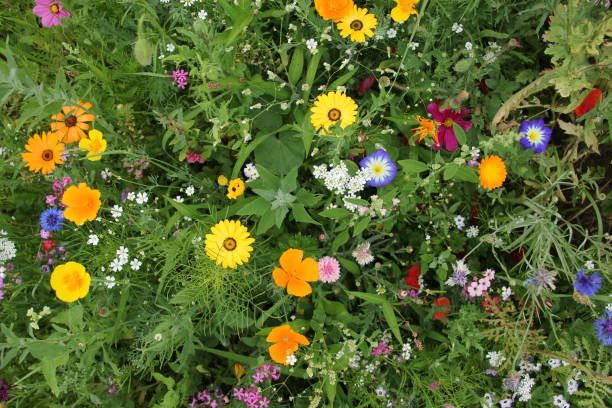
column 329, row 269
column 445, row 119
column 50, row 11
column 194, row 157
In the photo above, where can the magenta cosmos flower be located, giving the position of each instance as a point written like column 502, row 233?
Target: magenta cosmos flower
column 445, row 119
column 50, row 11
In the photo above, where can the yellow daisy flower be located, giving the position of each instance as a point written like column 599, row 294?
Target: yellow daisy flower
column 492, row 172
column 235, row 188
column 331, row 108
column 95, row 144
column 403, row 10
column 229, row 244
column 358, row 24
column 43, row 152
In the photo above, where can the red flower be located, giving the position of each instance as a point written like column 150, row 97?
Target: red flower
column 444, row 303
column 588, row 103
column 365, row 84
column 485, row 304
column 412, row 278
column 48, row 245
column 517, row 255
column 482, row 85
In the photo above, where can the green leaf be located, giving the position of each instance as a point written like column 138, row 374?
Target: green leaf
column 72, row 317
column 391, row 320
column 266, row 222
column 450, row 170
column 413, row 166
column 494, row 34
column 334, row 308
column 48, row 366
column 258, row 206
column 361, row 225
column 167, row 381
column 349, row 265
column 187, row 210
column 296, row 66
column 41, row 349
column 280, row 155
column 289, row 182
column 310, row 75
column 368, row 297
column 357, row 201
column 301, row 215
column 340, row 240
column 467, row 173
column 342, row 80
column 335, row 213
column 461, row 138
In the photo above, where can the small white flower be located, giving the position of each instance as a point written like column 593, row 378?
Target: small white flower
column 590, row 265
column 131, row 196
column 457, row 28
column 190, row 191
column 106, row 174
column 391, row 33
column 413, row 45
column 116, row 265
column 427, row 237
column 468, row 46
column 495, row 358
column 170, row 47
column 202, row 14
column 142, row 197
column 158, row 337
column 93, row 239
column 109, row 282
column 179, row 199
column 291, row 359
column 116, row 211
column 554, row 363
column 135, row 264
column 472, row 232
column 459, row 222
column 312, row 45
column 506, row 293
column 381, row 392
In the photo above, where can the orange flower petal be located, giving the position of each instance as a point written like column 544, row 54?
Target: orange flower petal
column 290, row 260
column 280, row 333
column 308, row 270
column 298, row 287
column 280, row 277
column 280, row 351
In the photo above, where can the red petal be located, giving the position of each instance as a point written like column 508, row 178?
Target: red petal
column 588, row 103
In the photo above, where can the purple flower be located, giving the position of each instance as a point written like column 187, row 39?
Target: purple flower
column 51, row 219
column 587, row 285
column 4, row 390
column 445, row 119
column 535, row 134
column 180, row 77
column 382, row 168
column 603, row 325
column 50, row 11
column 381, row 349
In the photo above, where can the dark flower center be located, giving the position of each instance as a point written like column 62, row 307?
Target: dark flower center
column 54, row 9
column 47, row 155
column 229, row 244
column 334, row 114
column 70, row 121
column 356, row 25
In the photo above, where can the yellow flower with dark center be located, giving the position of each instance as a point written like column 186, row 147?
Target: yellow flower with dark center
column 403, row 10
column 82, row 203
column 332, row 108
column 95, row 144
column 43, row 152
column 235, row 188
column 229, row 244
column 492, row 172
column 70, row 281
column 358, row 24
column 71, row 124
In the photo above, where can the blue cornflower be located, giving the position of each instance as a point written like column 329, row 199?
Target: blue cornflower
column 587, row 285
column 535, row 134
column 604, row 328
column 382, row 168
column 51, row 219
column 542, row 279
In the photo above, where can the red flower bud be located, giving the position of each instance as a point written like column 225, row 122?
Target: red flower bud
column 48, row 245
column 365, row 84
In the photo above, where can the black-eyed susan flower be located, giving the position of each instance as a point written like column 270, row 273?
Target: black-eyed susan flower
column 403, row 10
column 229, row 244
column 357, row 24
column 43, row 152
column 95, row 144
column 331, row 108
column 70, row 281
column 71, row 122
column 333, row 10
column 492, row 172
column 235, row 188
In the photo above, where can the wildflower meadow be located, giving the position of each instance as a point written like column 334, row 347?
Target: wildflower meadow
column 305, row 203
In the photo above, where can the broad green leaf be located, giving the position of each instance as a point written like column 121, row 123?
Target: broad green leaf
column 369, row 297
column 296, row 66
column 257, row 206
column 72, row 317
column 48, row 367
column 391, row 319
column 361, row 225
column 335, row 213
column 461, row 137
column 301, row 215
column 413, row 166
column 340, row 240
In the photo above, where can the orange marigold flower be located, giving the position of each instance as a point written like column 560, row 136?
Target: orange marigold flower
column 296, row 273
column 403, row 10
column 334, row 10
column 82, row 203
column 492, row 172
column 286, row 342
column 71, row 124
column 428, row 128
column 70, row 281
column 43, row 152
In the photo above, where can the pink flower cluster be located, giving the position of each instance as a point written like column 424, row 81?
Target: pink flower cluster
column 59, row 186
column 180, row 77
column 266, row 371
column 251, row 397
column 209, row 398
column 194, row 157
column 480, row 286
column 329, row 269
column 382, row 349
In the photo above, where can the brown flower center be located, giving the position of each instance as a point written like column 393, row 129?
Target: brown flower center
column 334, row 114
column 229, row 244
column 54, row 8
column 448, row 122
column 70, row 121
column 356, row 25
column 47, row 155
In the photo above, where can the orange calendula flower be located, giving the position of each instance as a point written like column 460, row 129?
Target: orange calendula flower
column 492, row 172
column 403, row 10
column 70, row 281
column 427, row 128
column 71, row 124
column 235, row 188
column 296, row 273
column 43, row 152
column 95, row 144
column 82, row 203
column 334, row 10
column 286, row 342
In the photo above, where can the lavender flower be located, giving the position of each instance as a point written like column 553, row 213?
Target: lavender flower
column 542, row 280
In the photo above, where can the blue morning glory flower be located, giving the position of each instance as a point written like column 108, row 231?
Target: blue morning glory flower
column 381, row 166
column 535, row 134
column 587, row 285
column 604, row 328
column 51, row 219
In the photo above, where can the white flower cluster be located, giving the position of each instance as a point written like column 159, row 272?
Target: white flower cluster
column 338, row 180
column 459, row 222
column 122, row 259
column 524, row 388
column 495, row 358
column 406, row 351
column 572, row 383
column 250, row 172
column 472, row 231
column 7, row 249
column 528, row 366
column 560, row 402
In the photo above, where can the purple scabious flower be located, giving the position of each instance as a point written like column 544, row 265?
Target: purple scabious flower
column 382, row 169
column 587, row 285
column 603, row 325
column 535, row 135
column 51, row 219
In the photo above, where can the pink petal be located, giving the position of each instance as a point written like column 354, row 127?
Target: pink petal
column 465, row 124
column 451, row 140
column 434, row 109
column 64, row 13
column 50, row 20
column 40, row 10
